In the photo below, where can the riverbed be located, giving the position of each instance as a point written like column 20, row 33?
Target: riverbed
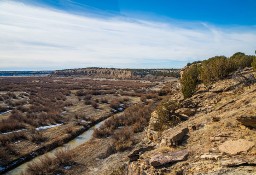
column 79, row 140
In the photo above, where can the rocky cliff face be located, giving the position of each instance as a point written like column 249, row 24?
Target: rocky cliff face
column 218, row 137
column 96, row 73
column 113, row 73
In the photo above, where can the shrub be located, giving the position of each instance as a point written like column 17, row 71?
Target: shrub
column 8, row 125
column 166, row 116
column 240, row 60
column 143, row 98
column 163, row 92
column 51, row 165
column 103, row 132
column 3, row 156
column 88, row 102
column 104, row 100
column 36, row 137
column 122, row 139
column 136, row 116
column 45, row 165
column 214, row 69
column 80, row 93
column 94, row 105
column 87, row 97
column 254, row 64
column 3, row 108
column 189, row 81
column 64, row 157
column 5, row 139
column 114, row 104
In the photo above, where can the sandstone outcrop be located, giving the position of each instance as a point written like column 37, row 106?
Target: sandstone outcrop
column 186, row 111
column 249, row 121
column 220, row 136
column 173, row 136
column 168, row 158
column 236, row 147
column 138, row 151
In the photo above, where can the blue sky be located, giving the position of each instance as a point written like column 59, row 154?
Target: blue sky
column 56, row 34
column 224, row 12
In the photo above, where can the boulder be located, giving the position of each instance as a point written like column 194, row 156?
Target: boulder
column 217, row 138
column 238, row 161
column 186, row 111
column 236, row 147
column 138, row 151
column 168, row 158
column 210, row 156
column 233, row 162
column 173, row 136
column 248, row 121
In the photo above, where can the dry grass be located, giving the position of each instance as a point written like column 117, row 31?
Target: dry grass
column 8, row 125
column 122, row 139
column 12, row 137
column 36, row 137
column 51, row 165
column 41, row 101
column 136, row 116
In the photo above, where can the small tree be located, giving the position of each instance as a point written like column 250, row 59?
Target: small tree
column 166, row 116
column 254, row 64
column 189, row 81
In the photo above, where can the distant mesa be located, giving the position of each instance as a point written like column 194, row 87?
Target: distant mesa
column 116, row 73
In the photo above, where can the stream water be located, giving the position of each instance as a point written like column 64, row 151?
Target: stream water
column 86, row 136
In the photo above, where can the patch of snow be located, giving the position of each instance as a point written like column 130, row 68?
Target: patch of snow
column 120, row 109
column 67, row 167
column 17, row 142
column 48, row 127
column 5, row 133
column 64, row 112
column 6, row 112
column 121, row 105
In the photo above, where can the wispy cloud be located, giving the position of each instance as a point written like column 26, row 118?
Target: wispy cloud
column 42, row 38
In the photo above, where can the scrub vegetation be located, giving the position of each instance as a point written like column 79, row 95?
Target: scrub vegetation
column 39, row 111
column 212, row 70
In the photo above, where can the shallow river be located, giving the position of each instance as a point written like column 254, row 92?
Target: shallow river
column 86, row 136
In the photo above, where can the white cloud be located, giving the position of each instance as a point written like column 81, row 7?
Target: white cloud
column 41, row 38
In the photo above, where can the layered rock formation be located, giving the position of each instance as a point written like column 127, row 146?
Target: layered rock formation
column 218, row 136
column 114, row 73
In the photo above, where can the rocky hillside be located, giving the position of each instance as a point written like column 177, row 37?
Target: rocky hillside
column 114, row 73
column 217, row 135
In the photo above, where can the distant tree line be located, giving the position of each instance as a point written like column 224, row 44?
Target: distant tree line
column 213, row 69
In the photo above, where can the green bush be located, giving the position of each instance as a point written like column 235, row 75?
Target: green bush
column 240, row 60
column 189, row 80
column 254, row 64
column 213, row 69
column 166, row 116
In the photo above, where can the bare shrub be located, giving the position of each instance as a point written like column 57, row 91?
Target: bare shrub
column 95, row 105
column 10, row 124
column 114, row 104
column 64, row 157
column 122, row 139
column 45, row 165
column 104, row 100
column 36, row 137
column 51, row 165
